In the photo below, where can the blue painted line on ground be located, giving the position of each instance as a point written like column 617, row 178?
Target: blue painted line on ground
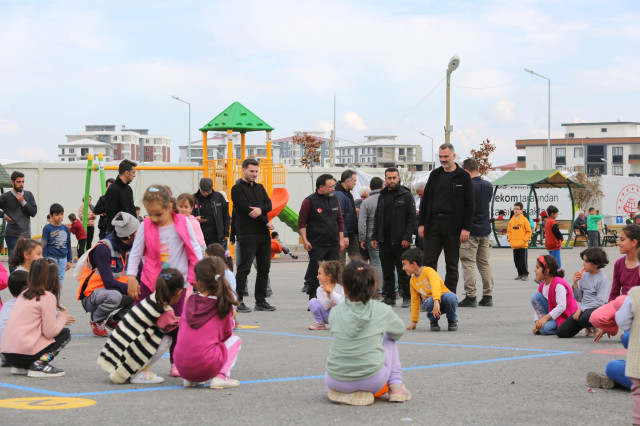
column 123, row 391
column 34, row 390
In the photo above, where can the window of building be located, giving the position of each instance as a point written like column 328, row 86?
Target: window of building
column 578, row 152
column 617, row 170
column 115, row 138
column 616, row 154
column 603, row 130
column 72, row 150
column 561, row 156
column 72, row 159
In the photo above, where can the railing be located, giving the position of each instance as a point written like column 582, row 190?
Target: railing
column 218, row 173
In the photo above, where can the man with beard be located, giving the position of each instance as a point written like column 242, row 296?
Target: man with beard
column 19, row 206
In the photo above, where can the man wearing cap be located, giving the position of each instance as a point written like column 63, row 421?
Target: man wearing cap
column 103, row 285
column 212, row 212
column 119, row 196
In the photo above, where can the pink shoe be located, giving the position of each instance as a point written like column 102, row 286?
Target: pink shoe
column 318, row 326
column 174, row 371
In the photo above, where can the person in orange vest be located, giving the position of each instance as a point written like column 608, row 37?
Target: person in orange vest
column 103, row 285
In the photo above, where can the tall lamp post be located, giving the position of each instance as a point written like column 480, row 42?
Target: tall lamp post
column 188, row 140
column 433, row 160
column 453, row 65
column 548, row 117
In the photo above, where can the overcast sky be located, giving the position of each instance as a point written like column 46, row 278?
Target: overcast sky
column 64, row 64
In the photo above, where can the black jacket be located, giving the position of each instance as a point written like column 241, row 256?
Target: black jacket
column 462, row 199
column 323, row 220
column 215, row 209
column 403, row 211
column 245, row 195
column 118, row 198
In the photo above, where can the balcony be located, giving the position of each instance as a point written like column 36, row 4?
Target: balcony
column 634, row 158
column 616, row 159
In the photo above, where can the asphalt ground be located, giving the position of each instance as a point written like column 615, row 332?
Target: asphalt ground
column 493, row 370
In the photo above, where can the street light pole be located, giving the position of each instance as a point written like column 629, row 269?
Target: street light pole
column 433, row 160
column 453, row 65
column 548, row 117
column 188, row 140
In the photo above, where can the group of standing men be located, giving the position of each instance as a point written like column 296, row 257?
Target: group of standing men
column 453, row 216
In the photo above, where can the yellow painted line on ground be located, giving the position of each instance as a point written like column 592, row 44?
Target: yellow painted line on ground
column 46, row 403
column 246, row 327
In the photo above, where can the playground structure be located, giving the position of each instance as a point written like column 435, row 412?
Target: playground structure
column 224, row 172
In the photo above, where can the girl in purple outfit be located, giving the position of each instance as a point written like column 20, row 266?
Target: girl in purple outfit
column 328, row 295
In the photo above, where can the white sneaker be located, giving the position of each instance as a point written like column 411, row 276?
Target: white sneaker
column 19, row 371
column 146, row 378
column 223, row 383
column 188, row 384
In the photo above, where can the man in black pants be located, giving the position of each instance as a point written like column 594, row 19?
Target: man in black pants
column 250, row 207
column 393, row 227
column 446, row 214
column 321, row 228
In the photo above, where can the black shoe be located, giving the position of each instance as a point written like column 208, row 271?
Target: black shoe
column 390, row 302
column 295, row 256
column 468, row 302
column 435, row 326
column 243, row 308
column 44, row 369
column 485, row 301
column 305, row 288
column 406, row 302
column 453, row 325
column 263, row 305
column 518, row 278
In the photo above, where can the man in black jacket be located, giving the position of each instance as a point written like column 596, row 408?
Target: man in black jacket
column 212, row 212
column 100, row 209
column 119, row 196
column 250, row 207
column 393, row 228
column 446, row 214
column 321, row 228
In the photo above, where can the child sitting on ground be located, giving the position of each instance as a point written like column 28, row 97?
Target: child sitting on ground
column 553, row 303
column 35, row 333
column 17, row 284
column 328, row 295
column 625, row 277
column 56, row 241
column 207, row 349
column 141, row 337
column 625, row 317
column 186, row 202
column 518, row 235
column 426, row 285
column 77, row 229
column 590, row 288
column 24, row 253
column 363, row 358
column 552, row 236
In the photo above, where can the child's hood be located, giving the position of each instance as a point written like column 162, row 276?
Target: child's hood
column 358, row 314
column 199, row 310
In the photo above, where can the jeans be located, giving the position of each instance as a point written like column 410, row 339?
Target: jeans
column 317, row 254
column 11, row 243
column 615, row 369
column 541, row 307
column 475, row 253
column 374, row 254
column 62, row 265
column 556, row 254
column 391, row 264
column 254, row 246
column 593, row 238
column 439, row 236
column 353, row 249
column 448, row 306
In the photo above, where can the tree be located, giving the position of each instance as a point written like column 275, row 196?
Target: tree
column 310, row 153
column 591, row 193
column 481, row 155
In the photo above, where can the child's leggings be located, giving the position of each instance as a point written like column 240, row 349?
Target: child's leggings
column 165, row 344
column 318, row 312
column 391, row 373
column 45, row 355
column 605, row 316
column 233, row 345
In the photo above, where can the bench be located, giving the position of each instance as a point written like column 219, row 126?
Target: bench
column 565, row 229
column 610, row 234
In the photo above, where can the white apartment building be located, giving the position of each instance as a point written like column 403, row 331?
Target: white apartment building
column 608, row 148
column 381, row 151
column 291, row 152
column 133, row 144
column 217, row 149
column 80, row 149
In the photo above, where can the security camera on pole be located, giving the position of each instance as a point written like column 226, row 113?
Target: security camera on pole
column 453, row 65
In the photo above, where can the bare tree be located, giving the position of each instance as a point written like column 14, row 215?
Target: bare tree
column 310, row 153
column 481, row 155
column 592, row 191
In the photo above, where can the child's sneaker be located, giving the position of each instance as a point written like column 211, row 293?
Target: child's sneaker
column 351, row 398
column 596, row 380
column 146, row 377
column 453, row 326
column 223, row 383
column 43, row 369
column 435, row 326
column 4, row 362
column 19, row 371
column 174, row 371
column 111, row 324
column 318, row 326
column 399, row 393
column 98, row 329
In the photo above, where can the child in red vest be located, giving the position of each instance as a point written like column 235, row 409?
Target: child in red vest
column 552, row 235
column 553, row 303
column 77, row 229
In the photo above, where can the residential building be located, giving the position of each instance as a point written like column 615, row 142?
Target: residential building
column 217, row 149
column 133, row 144
column 81, row 148
column 291, row 152
column 608, row 148
column 381, row 151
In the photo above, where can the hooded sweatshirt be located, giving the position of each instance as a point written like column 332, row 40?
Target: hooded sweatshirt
column 356, row 351
column 200, row 352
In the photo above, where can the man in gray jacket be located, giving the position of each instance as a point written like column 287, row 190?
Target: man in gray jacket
column 18, row 206
column 365, row 224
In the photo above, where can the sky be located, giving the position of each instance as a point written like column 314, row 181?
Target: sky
column 64, row 64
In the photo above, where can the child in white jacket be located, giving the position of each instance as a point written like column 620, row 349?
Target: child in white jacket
column 328, row 295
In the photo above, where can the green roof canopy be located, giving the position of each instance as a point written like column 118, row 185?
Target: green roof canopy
column 5, row 179
column 238, row 118
column 536, row 178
